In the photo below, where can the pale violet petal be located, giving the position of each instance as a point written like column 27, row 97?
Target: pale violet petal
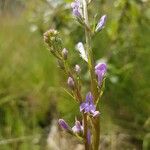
column 82, row 106
column 89, row 97
column 96, row 113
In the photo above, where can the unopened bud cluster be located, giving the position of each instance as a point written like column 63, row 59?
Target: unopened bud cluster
column 52, row 38
column 54, row 42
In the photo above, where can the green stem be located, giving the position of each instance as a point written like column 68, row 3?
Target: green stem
column 95, row 121
column 69, row 73
column 91, row 62
column 85, row 131
column 96, row 133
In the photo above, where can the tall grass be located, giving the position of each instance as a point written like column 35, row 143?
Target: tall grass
column 28, row 79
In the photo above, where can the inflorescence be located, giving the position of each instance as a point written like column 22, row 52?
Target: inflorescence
column 88, row 105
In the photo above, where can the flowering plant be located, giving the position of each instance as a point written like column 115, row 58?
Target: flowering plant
column 88, row 129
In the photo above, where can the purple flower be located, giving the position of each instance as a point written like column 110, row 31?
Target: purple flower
column 100, row 70
column 63, row 124
column 101, row 23
column 88, row 106
column 76, row 8
column 78, row 128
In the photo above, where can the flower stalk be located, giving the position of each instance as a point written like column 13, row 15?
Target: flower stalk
column 88, row 129
column 89, row 50
column 96, row 122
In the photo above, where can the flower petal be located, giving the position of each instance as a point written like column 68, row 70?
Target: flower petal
column 89, row 97
column 63, row 124
column 92, row 107
column 87, row 109
column 76, row 8
column 96, row 113
column 82, row 106
column 78, row 127
column 101, row 67
column 100, row 71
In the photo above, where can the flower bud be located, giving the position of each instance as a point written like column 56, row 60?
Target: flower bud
column 51, row 37
column 101, row 23
column 70, row 83
column 64, row 53
column 77, row 69
column 96, row 114
column 76, row 13
column 63, row 124
column 76, row 8
column 46, row 39
column 78, row 128
column 100, row 71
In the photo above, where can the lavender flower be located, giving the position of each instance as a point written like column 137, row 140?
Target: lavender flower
column 63, row 124
column 78, row 128
column 76, row 8
column 70, row 83
column 88, row 106
column 100, row 70
column 101, row 23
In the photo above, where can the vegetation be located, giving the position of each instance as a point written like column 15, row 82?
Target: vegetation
column 30, row 95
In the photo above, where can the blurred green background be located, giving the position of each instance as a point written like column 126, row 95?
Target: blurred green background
column 30, row 81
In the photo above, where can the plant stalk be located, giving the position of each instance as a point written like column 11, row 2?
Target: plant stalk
column 96, row 133
column 91, row 62
column 95, row 121
column 86, row 145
